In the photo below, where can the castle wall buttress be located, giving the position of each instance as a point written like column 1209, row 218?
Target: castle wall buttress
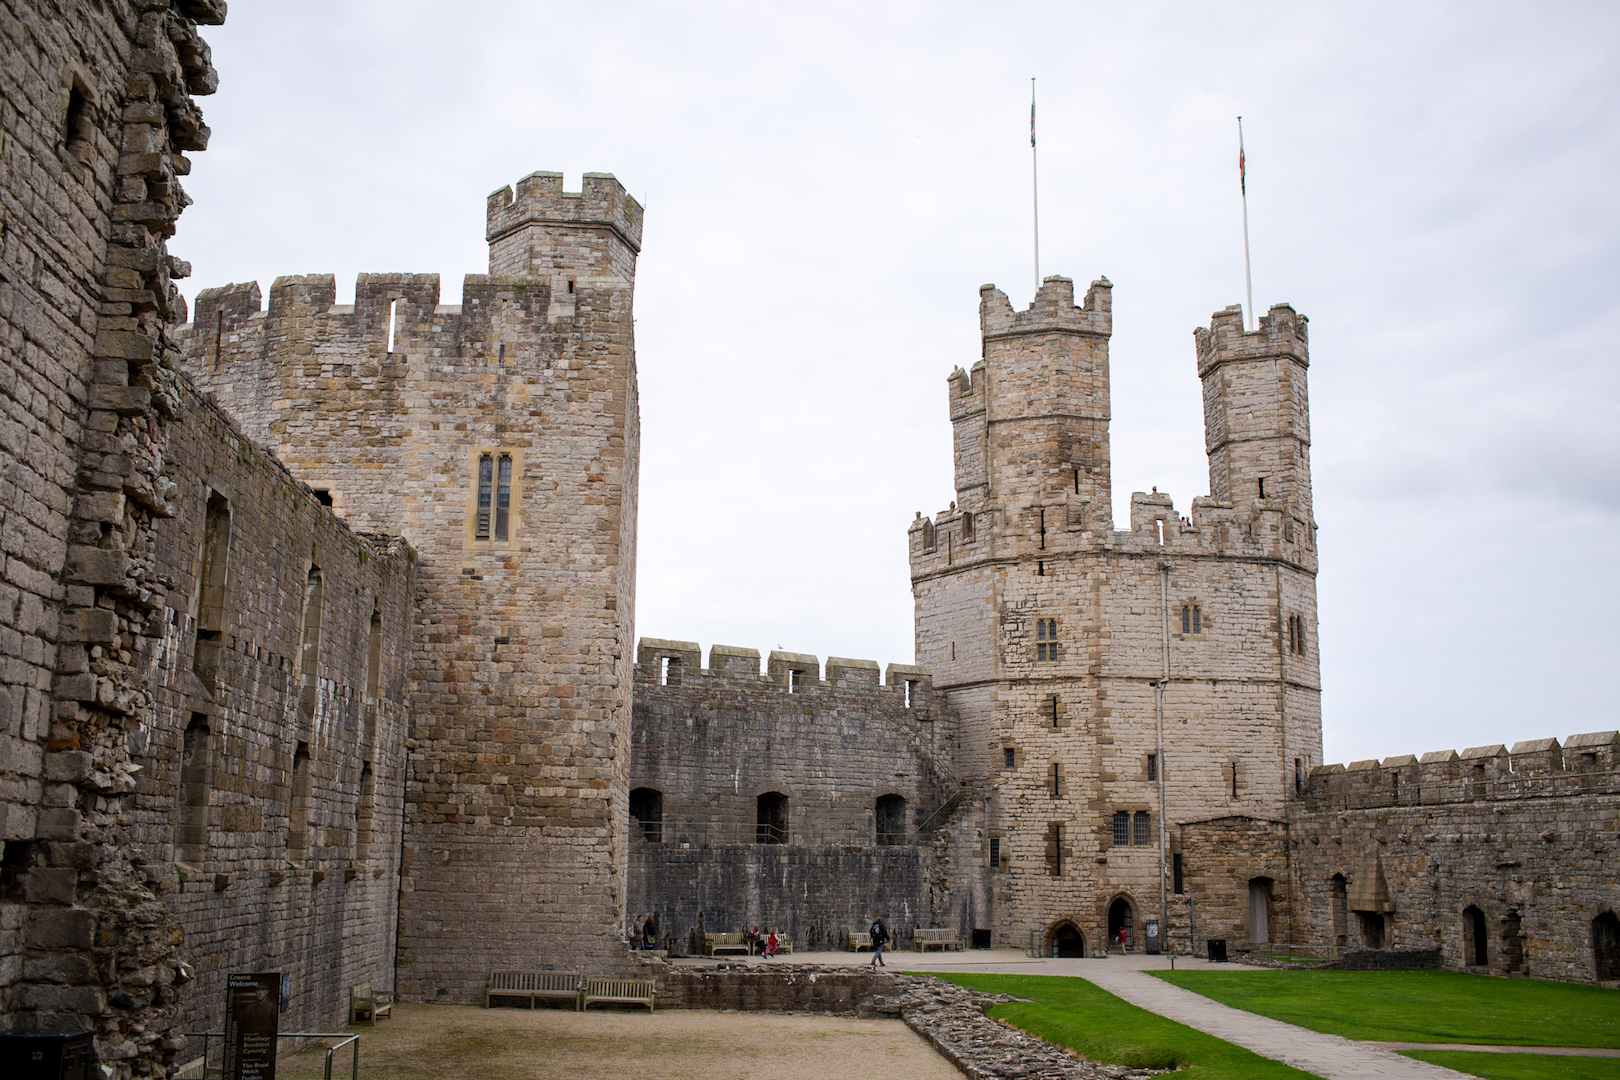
column 502, row 437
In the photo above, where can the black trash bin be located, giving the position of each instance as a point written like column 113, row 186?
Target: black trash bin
column 48, row 1055
column 1217, row 950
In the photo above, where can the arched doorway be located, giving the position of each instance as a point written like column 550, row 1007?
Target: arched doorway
column 1606, row 946
column 1475, row 938
column 1067, row 941
column 1259, row 910
column 1121, row 924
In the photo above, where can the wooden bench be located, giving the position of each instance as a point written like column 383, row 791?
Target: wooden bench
column 367, row 1005
column 857, row 942
column 926, row 937
column 533, row 985
column 620, row 992
column 715, row 944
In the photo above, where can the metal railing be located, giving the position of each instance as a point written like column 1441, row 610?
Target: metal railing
column 201, row 1068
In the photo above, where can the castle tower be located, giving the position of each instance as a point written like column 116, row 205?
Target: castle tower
column 501, row 438
column 1257, row 420
column 1053, row 636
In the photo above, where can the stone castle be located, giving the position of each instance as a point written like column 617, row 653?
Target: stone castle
column 319, row 652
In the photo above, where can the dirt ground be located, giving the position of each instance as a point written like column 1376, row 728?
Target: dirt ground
column 461, row 1042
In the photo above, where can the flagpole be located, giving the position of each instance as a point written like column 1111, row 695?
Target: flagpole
column 1035, row 183
column 1243, row 186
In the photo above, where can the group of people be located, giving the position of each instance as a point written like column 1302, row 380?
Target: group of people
column 766, row 945
column 644, row 932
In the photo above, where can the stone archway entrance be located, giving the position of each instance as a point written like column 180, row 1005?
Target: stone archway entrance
column 1068, row 941
column 1121, row 924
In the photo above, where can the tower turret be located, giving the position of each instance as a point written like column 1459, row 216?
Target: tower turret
column 541, row 231
column 1257, row 421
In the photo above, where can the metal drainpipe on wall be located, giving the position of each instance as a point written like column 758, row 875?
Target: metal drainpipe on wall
column 1159, row 688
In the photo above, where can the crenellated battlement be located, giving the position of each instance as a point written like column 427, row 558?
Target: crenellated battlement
column 667, row 662
column 1282, row 332
column 1053, row 310
column 539, row 201
column 1536, row 768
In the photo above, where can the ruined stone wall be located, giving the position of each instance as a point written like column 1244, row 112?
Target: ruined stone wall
column 521, row 667
column 1527, row 836
column 100, row 111
column 269, row 803
column 711, row 741
column 1048, row 629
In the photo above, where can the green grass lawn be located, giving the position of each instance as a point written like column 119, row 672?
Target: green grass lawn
column 1422, row 1006
column 1523, row 1066
column 1090, row 1021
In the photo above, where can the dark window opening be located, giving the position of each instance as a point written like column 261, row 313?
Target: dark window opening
column 1153, row 766
column 309, row 665
column 1299, row 777
column 1475, row 937
column 1054, row 849
column 1144, row 829
column 78, row 123
column 486, row 482
column 1234, row 768
column 771, row 818
column 1372, row 929
column 1055, row 781
column 211, row 588
column 1008, row 756
column 374, row 654
column 500, row 357
column 1043, row 530
column 1040, row 569
column 503, row 498
column 570, row 286
column 1077, row 481
column 1177, row 885
column 1122, row 829
column 967, row 528
column 1052, row 705
column 363, row 814
column 1262, row 487
column 995, row 852
column 647, row 811
column 298, row 805
column 323, row 496
column 890, row 815
column 191, row 838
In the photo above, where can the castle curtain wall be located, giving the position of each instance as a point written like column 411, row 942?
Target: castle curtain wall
column 713, row 740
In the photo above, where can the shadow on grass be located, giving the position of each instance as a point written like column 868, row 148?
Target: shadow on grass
column 1420, row 1006
column 1090, row 1021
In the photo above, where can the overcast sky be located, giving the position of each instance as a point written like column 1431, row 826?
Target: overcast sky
column 827, row 186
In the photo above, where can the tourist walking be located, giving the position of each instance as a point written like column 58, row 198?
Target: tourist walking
column 649, row 932
column 635, row 933
column 770, row 944
column 879, row 934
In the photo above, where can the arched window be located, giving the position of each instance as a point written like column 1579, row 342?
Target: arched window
column 771, row 818
column 191, row 837
column 647, row 811
column 890, row 813
column 486, row 485
column 1475, row 937
column 503, row 497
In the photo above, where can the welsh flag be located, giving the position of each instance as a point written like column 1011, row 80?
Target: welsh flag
column 1032, row 121
column 1243, row 173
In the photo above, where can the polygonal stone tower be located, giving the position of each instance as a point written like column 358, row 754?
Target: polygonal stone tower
column 1137, row 705
column 502, row 438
